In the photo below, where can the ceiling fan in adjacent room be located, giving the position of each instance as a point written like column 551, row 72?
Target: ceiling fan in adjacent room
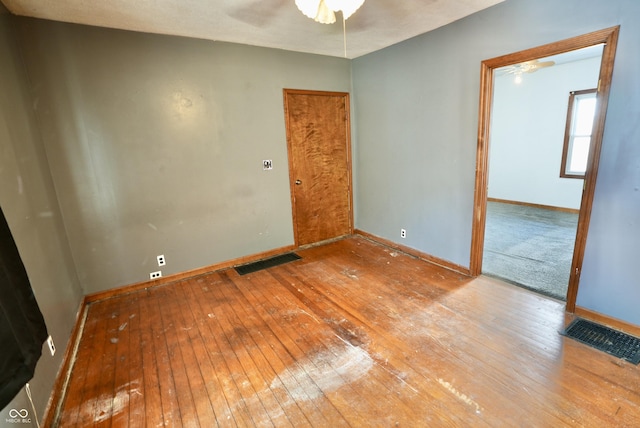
column 526, row 67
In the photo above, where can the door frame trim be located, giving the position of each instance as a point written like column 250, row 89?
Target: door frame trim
column 608, row 36
column 286, row 92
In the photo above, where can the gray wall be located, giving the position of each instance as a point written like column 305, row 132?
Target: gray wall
column 155, row 144
column 29, row 202
column 416, row 109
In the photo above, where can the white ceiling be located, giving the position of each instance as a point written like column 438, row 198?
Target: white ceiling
column 268, row 23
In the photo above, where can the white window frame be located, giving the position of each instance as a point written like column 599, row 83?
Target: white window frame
column 570, row 135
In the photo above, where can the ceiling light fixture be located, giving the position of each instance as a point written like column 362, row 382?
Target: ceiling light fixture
column 518, row 78
column 324, row 11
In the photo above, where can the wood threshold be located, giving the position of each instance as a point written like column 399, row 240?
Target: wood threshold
column 529, row 204
column 415, row 253
column 118, row 291
column 324, row 242
column 614, row 323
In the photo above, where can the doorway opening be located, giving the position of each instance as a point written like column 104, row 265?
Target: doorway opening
column 532, row 204
column 483, row 191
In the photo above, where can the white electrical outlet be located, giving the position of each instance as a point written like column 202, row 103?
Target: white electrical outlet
column 267, row 164
column 403, row 233
column 155, row 275
column 161, row 260
column 52, row 347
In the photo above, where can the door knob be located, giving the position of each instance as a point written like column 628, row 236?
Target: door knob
column 298, row 182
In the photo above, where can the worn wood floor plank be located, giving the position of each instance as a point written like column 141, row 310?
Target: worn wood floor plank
column 229, row 404
column 403, row 360
column 207, row 393
column 81, row 368
column 137, row 406
column 124, row 359
column 260, row 352
column 354, row 334
column 186, row 376
column 465, row 333
column 153, row 413
column 342, row 350
column 271, row 353
column 288, row 324
column 300, row 385
column 233, row 408
column 98, row 386
column 267, row 409
column 170, row 407
column 237, row 387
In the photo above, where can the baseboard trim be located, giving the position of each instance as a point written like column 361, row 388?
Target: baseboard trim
column 614, row 323
column 52, row 411
column 118, row 291
column 415, row 253
column 528, row 204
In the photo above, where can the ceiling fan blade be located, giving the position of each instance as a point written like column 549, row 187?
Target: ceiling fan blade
column 536, row 65
column 258, row 13
column 525, row 67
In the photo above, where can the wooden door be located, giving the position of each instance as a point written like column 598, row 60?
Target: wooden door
column 318, row 142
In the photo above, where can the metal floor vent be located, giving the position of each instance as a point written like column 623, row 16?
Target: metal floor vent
column 605, row 339
column 267, row 263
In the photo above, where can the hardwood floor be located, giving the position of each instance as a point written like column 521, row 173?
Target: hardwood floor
column 354, row 334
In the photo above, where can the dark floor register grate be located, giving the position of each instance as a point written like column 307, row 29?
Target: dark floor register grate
column 605, row 339
column 267, row 263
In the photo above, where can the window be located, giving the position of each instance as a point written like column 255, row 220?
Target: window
column 577, row 136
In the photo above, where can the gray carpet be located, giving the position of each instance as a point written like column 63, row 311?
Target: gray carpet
column 531, row 247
